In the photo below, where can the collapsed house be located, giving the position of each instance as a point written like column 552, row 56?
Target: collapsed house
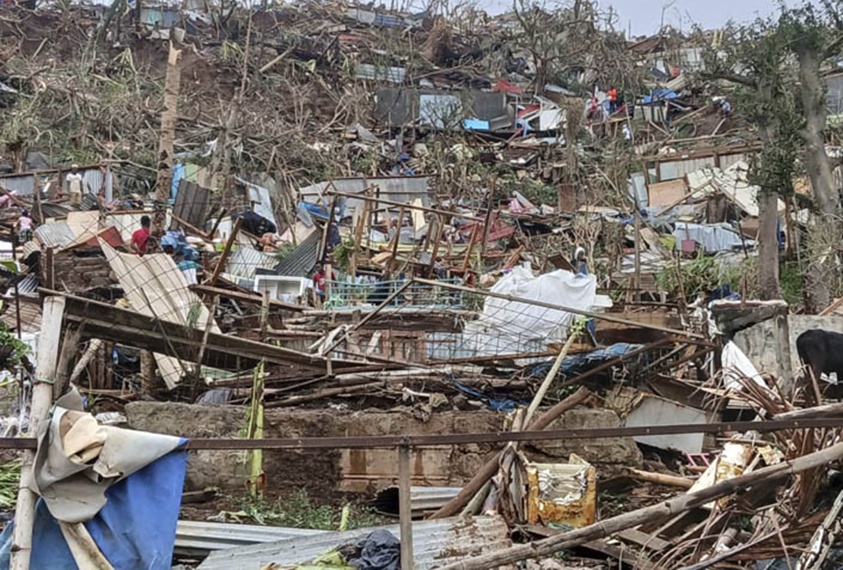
column 536, row 358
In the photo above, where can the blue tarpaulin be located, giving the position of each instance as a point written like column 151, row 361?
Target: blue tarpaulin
column 135, row 529
column 579, row 363
column 659, row 95
column 498, row 405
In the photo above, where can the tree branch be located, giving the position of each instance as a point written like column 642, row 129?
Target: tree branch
column 733, row 77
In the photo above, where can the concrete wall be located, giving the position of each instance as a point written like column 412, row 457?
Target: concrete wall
column 760, row 342
column 324, row 472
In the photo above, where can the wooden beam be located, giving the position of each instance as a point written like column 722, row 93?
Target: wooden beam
column 225, row 253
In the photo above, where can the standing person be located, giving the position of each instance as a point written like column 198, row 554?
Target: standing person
column 319, row 282
column 627, row 132
column 74, row 185
column 613, row 100
column 140, row 239
column 579, row 262
column 25, row 226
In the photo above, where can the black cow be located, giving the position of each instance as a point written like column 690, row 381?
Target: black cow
column 821, row 352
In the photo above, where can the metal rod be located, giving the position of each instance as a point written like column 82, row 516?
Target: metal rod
column 430, row 440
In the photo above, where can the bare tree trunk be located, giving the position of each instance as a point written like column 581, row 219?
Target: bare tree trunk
column 166, row 139
column 768, row 246
column 822, row 240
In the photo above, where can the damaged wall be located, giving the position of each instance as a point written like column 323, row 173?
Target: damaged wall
column 760, row 342
column 324, row 472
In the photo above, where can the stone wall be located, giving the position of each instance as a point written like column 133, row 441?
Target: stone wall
column 323, row 472
column 760, row 342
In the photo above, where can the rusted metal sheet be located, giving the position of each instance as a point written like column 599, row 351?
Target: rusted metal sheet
column 564, row 493
column 190, row 205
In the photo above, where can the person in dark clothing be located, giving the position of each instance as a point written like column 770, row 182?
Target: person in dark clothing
column 254, row 223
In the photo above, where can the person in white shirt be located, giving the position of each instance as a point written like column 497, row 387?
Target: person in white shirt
column 627, row 132
column 74, row 185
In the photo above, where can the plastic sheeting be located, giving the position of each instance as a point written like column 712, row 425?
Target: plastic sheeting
column 529, row 321
column 714, row 237
column 736, row 364
column 135, row 529
column 578, row 363
column 378, row 551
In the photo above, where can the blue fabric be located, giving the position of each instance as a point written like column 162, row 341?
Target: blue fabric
column 136, row 529
column 315, row 211
column 178, row 175
column 578, row 363
column 495, row 404
column 659, row 95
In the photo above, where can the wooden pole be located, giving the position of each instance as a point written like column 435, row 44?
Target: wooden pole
column 637, row 254
column 42, row 401
column 68, row 351
column 662, row 479
column 488, row 221
column 455, row 505
column 226, row 252
column 671, row 507
column 166, row 152
column 548, row 380
column 405, row 508
column 440, row 226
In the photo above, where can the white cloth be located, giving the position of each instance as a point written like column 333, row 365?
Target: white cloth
column 529, row 321
column 714, row 237
column 78, row 460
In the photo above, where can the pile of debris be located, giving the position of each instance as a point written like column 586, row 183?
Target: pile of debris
column 400, row 232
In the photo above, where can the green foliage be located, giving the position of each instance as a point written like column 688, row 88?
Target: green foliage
column 284, row 250
column 342, row 253
column 703, row 273
column 9, row 482
column 299, row 511
column 18, row 349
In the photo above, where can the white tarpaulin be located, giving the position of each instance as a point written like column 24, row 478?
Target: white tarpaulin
column 528, row 321
column 714, row 237
column 737, row 364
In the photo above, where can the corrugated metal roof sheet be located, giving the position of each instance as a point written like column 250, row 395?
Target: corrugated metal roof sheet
column 200, row 537
column 245, row 260
column 54, row 234
column 435, row 543
column 155, row 287
column 23, row 184
column 302, row 259
column 395, row 188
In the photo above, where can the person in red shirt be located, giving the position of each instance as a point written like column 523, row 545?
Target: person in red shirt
column 613, row 101
column 140, row 239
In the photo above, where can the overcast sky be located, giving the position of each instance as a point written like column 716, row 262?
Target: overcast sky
column 644, row 16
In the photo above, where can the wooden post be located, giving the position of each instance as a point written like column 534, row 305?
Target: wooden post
column 147, row 364
column 169, row 118
column 226, row 252
column 440, row 226
column 42, row 401
column 548, row 380
column 393, row 262
column 405, row 510
column 488, row 221
column 637, row 254
column 68, row 351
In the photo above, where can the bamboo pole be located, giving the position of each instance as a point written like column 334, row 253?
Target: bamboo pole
column 671, row 507
column 548, row 380
column 42, row 401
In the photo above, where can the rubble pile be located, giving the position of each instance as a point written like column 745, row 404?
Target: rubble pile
column 516, row 249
